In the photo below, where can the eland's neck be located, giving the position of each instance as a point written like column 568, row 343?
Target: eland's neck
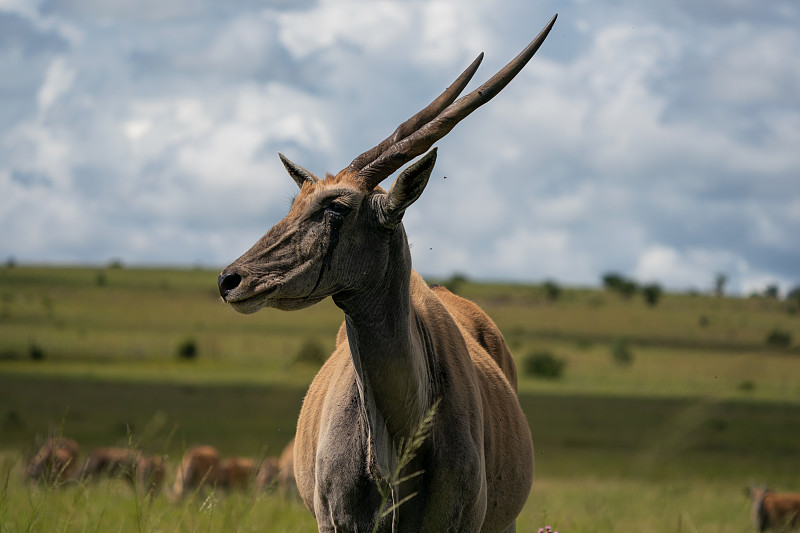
column 389, row 357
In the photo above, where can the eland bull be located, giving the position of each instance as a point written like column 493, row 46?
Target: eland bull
column 404, row 347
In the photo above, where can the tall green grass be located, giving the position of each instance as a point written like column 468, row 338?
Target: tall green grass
column 574, row 505
column 111, row 505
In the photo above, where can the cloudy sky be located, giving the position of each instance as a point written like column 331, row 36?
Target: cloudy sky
column 656, row 139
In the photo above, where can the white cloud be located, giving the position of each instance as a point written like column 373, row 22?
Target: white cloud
column 631, row 142
column 58, row 80
column 345, row 23
column 697, row 268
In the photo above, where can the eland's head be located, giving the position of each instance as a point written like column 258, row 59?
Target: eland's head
column 340, row 230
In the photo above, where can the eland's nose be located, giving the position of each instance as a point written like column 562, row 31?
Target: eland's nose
column 228, row 282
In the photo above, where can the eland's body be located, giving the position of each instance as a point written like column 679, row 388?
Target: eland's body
column 405, row 349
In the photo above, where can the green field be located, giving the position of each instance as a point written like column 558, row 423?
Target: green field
column 665, row 443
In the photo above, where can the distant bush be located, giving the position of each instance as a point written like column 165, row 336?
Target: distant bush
column 621, row 353
column 544, row 364
column 778, row 338
column 36, row 352
column 619, row 284
column 552, row 290
column 793, row 295
column 747, row 385
column 771, row 291
column 100, row 279
column 652, row 294
column 720, row 280
column 704, row 321
column 611, row 280
column 455, row 282
column 793, row 299
column 312, row 352
column 187, row 349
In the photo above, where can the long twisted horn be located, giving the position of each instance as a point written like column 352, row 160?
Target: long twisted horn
column 420, row 119
column 417, row 134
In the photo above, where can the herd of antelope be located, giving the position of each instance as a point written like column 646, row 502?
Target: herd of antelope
column 58, row 462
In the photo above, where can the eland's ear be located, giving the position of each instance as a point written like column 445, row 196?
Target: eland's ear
column 408, row 187
column 298, row 173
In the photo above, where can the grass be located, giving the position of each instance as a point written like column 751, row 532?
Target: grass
column 621, row 506
column 111, row 505
column 666, row 443
column 587, row 504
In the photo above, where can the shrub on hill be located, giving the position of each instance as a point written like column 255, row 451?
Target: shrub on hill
column 621, row 353
column 36, row 352
column 552, row 290
column 652, row 294
column 793, row 299
column 543, row 364
column 720, row 280
column 771, row 291
column 312, row 352
column 455, row 282
column 187, row 349
column 620, row 284
column 794, row 294
column 778, row 338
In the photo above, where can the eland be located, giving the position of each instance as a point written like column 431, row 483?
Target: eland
column 406, row 352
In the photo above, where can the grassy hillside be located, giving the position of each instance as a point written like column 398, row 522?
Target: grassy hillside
column 663, row 441
column 130, row 323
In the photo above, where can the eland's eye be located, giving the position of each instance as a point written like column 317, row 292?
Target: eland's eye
column 338, row 208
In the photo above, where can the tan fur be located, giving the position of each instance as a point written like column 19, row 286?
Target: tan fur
column 150, row 471
column 110, row 462
column 477, row 324
column 507, row 446
column 55, row 462
column 775, row 511
column 237, row 473
column 199, row 468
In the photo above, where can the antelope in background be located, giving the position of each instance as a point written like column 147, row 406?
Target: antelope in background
column 403, row 348
column 55, row 462
column 774, row 511
column 199, row 468
column 110, row 462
